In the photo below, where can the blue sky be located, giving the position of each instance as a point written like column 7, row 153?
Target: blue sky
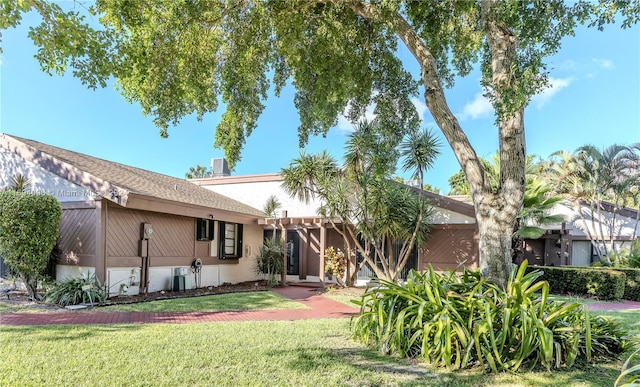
column 594, row 99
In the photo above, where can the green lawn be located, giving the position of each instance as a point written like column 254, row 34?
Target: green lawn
column 345, row 296
column 579, row 300
column 9, row 308
column 300, row 353
column 270, row 353
column 630, row 319
column 217, row 302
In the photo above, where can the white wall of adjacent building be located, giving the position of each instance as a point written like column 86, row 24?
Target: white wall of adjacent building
column 577, row 225
column 42, row 181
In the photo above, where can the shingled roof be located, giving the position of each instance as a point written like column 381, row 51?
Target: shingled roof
column 88, row 172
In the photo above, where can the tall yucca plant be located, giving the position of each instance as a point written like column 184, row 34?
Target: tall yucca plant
column 453, row 321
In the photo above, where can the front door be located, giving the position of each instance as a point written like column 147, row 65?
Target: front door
column 293, row 249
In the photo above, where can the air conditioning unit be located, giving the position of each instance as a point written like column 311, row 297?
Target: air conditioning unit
column 181, row 271
column 219, row 167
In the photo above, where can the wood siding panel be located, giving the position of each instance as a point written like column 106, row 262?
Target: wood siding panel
column 77, row 240
column 173, row 236
column 203, row 249
column 533, row 252
column 447, row 246
column 313, row 252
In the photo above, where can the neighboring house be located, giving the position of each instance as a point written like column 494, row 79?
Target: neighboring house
column 570, row 243
column 453, row 237
column 133, row 227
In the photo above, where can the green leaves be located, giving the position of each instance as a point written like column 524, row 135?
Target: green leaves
column 71, row 291
column 269, row 259
column 363, row 194
column 630, row 374
column 28, row 232
column 460, row 319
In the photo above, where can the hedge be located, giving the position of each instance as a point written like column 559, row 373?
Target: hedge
column 632, row 287
column 603, row 283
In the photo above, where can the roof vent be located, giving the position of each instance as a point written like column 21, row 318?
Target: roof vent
column 219, row 167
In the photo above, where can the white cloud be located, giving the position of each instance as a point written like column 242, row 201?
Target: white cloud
column 606, row 64
column 480, row 107
column 421, row 107
column 555, row 85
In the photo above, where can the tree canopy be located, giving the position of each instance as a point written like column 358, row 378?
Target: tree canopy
column 177, row 58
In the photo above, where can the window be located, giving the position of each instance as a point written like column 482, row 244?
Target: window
column 268, row 235
column 230, row 240
column 205, row 230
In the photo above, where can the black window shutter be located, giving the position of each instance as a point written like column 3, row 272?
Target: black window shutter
column 221, row 227
column 199, row 235
column 239, row 246
column 212, row 230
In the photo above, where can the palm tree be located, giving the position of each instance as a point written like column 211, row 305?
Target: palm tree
column 363, row 194
column 458, row 184
column 197, row 172
column 19, row 183
column 271, row 259
column 590, row 177
column 632, row 196
column 538, row 200
column 270, row 207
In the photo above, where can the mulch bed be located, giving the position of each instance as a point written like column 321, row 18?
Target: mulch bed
column 18, row 298
column 251, row 286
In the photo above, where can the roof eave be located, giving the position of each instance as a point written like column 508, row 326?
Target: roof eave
column 154, row 204
column 87, row 181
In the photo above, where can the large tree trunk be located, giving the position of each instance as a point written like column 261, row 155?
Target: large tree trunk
column 495, row 229
column 495, row 211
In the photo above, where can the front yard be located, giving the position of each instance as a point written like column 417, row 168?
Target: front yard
column 273, row 353
column 299, row 353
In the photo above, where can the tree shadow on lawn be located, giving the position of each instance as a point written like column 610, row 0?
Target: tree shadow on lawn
column 369, row 366
column 66, row 333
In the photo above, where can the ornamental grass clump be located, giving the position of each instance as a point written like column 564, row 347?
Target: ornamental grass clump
column 74, row 291
column 460, row 320
column 269, row 261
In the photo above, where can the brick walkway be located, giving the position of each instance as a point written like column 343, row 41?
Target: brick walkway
column 319, row 307
column 624, row 305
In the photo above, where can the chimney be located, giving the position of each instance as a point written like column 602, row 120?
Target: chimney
column 219, row 167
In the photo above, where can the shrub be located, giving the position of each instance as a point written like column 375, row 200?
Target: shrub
column 632, row 283
column 74, row 291
column 270, row 259
column 454, row 321
column 603, row 283
column 628, row 257
column 28, row 232
column 335, row 263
